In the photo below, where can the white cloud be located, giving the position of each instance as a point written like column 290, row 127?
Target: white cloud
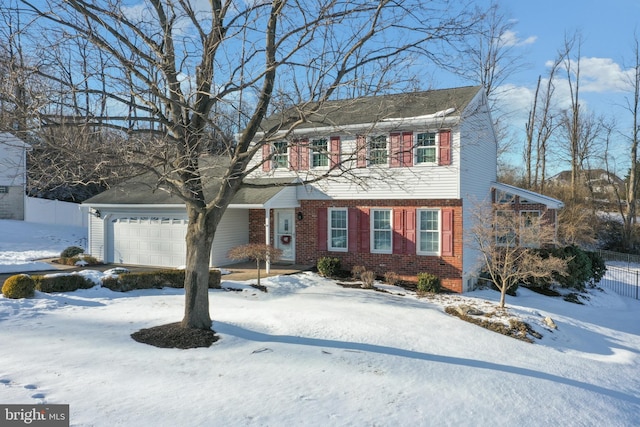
column 510, row 38
column 601, row 75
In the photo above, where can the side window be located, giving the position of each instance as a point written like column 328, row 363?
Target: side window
column 505, row 228
column 319, row 153
column 428, row 232
column 529, row 228
column 426, row 147
column 381, row 231
column 338, row 230
column 378, row 150
column 280, row 155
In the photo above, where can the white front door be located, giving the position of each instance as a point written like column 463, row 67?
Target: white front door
column 285, row 235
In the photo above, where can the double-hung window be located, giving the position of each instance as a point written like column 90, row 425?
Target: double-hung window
column 505, row 228
column 426, row 147
column 428, row 231
column 319, row 153
column 4, row 189
column 338, row 229
column 378, row 150
column 381, row 231
column 280, row 155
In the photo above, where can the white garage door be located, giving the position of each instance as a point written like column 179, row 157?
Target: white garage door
column 157, row 241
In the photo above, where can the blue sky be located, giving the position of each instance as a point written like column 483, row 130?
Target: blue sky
column 607, row 29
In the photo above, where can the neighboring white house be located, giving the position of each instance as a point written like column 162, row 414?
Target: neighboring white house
column 13, row 176
column 407, row 170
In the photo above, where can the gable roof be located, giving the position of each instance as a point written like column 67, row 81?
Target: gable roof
column 373, row 109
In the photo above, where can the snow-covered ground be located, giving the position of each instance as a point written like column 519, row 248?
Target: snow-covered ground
column 22, row 244
column 309, row 352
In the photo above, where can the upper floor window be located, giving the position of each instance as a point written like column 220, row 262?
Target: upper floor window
column 426, row 147
column 381, row 231
column 338, row 229
column 378, row 150
column 280, row 155
column 428, row 232
column 4, row 189
column 319, row 153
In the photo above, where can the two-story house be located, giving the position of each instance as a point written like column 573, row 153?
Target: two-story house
column 400, row 175
column 13, row 176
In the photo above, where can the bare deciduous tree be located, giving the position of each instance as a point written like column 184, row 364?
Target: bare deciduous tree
column 506, row 242
column 175, row 72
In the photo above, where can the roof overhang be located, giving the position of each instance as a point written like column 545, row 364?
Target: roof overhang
column 529, row 195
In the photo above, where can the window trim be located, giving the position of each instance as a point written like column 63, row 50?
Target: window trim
column 372, row 231
column 419, row 232
column 321, row 154
column 330, row 228
column 277, row 155
column 370, row 150
column 417, row 147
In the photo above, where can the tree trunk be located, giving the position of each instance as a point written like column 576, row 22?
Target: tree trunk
column 199, row 241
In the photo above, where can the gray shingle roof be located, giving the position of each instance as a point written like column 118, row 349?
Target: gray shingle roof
column 142, row 191
column 375, row 108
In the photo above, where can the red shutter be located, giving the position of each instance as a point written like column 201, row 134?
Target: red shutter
column 354, row 231
column 266, row 161
column 361, row 151
column 444, row 158
column 396, row 150
column 364, row 230
column 447, row 232
column 321, row 224
column 303, row 150
column 334, row 149
column 410, row 231
column 398, row 231
column 294, row 155
column 407, row 148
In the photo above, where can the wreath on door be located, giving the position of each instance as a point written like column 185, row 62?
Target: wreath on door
column 285, row 239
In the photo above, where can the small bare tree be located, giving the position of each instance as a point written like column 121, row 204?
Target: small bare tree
column 258, row 252
column 507, row 241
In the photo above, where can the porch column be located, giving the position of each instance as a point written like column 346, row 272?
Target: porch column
column 267, row 229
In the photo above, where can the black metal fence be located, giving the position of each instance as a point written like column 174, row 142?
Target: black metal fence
column 623, row 277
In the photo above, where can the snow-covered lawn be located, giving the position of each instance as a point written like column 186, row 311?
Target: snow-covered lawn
column 309, row 352
column 22, row 244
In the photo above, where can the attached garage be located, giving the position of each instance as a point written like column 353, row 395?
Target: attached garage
column 148, row 240
column 130, row 224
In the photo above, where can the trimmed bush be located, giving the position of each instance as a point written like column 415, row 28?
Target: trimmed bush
column 367, row 277
column 328, row 266
column 428, row 283
column 391, row 277
column 71, row 252
column 357, row 270
column 62, row 283
column 155, row 280
column 19, row 286
column 88, row 260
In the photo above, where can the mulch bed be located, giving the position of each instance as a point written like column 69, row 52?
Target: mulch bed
column 173, row 335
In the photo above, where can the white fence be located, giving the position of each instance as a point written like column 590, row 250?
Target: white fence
column 54, row 212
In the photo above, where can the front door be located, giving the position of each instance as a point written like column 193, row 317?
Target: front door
column 286, row 234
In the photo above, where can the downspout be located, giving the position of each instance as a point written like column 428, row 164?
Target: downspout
column 267, row 228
